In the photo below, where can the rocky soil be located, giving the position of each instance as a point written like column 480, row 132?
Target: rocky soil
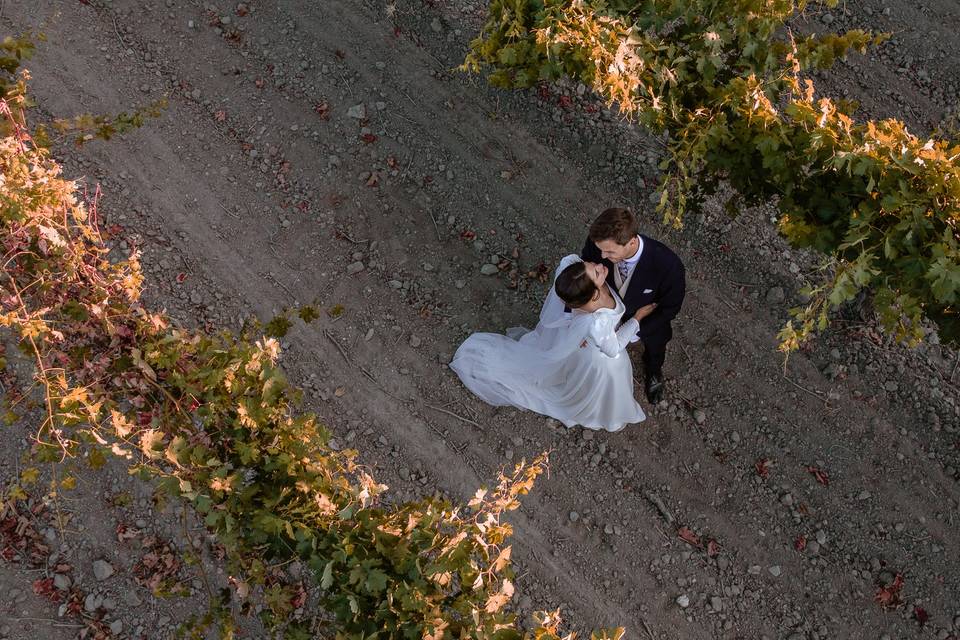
column 329, row 152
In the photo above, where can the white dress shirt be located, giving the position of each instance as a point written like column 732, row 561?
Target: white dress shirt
column 623, row 283
column 631, row 263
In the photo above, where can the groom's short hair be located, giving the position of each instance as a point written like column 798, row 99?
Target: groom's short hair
column 617, row 224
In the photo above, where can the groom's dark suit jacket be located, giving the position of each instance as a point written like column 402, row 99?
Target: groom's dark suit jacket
column 658, row 277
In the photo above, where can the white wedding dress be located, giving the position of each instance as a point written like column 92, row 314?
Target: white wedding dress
column 548, row 371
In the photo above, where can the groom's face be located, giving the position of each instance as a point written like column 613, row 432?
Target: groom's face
column 614, row 252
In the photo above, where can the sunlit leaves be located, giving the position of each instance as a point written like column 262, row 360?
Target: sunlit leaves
column 882, row 205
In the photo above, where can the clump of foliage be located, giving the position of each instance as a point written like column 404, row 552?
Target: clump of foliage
column 725, row 81
column 211, row 416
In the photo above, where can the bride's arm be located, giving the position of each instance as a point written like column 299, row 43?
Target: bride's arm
column 612, row 343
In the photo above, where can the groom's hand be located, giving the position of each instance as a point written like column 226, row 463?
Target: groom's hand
column 644, row 311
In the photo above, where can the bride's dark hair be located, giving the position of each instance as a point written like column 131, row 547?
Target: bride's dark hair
column 574, row 287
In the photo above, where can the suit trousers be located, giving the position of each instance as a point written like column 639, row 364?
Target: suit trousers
column 655, row 351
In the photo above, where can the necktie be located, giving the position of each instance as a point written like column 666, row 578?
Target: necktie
column 624, row 270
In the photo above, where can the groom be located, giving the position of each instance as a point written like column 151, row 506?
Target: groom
column 644, row 272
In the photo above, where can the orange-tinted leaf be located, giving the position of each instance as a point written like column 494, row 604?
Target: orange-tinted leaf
column 688, row 536
column 819, row 474
column 713, row 548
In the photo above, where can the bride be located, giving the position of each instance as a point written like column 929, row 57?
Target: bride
column 573, row 367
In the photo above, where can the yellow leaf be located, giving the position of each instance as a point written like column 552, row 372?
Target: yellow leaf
column 29, row 476
column 151, row 442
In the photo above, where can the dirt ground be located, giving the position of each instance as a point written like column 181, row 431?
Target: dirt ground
column 329, row 151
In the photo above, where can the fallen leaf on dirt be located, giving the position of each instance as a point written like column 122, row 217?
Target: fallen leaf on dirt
column 243, row 588
column 368, row 138
column 763, row 467
column 126, row 533
column 800, row 543
column 340, row 392
column 688, row 536
column 889, row 596
column 220, row 115
column 181, row 277
column 299, row 597
column 920, row 615
column 323, row 110
column 44, row 588
column 565, row 101
column 819, row 474
column 713, row 548
column 391, row 162
column 467, row 235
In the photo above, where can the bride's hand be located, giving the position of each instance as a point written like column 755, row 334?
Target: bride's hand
column 644, row 311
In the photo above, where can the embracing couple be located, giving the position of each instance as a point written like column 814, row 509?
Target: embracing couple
column 624, row 288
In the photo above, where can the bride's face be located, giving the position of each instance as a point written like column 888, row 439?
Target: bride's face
column 596, row 272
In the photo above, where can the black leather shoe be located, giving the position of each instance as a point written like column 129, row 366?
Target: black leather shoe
column 654, row 388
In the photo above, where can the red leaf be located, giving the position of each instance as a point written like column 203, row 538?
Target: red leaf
column 889, row 596
column 688, row 536
column 44, row 587
column 763, row 467
column 467, row 235
column 391, row 162
column 242, row 10
column 323, row 110
column 220, row 115
column 565, row 101
column 921, row 615
column 368, row 138
column 543, row 92
column 427, row 180
column 819, row 474
column 591, row 108
column 181, row 277
column 713, row 548
column 800, row 543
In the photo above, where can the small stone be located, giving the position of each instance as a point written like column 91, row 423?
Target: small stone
column 489, row 270
column 813, row 547
column 415, row 342
column 61, row 581
column 775, row 295
column 436, row 26
column 354, row 268
column 754, row 570
column 102, row 569
column 775, row 571
column 716, row 603
column 786, row 500
column 574, row 516
column 92, row 602
column 683, row 601
column 863, row 495
column 358, row 112
column 116, row 626
column 700, row 416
